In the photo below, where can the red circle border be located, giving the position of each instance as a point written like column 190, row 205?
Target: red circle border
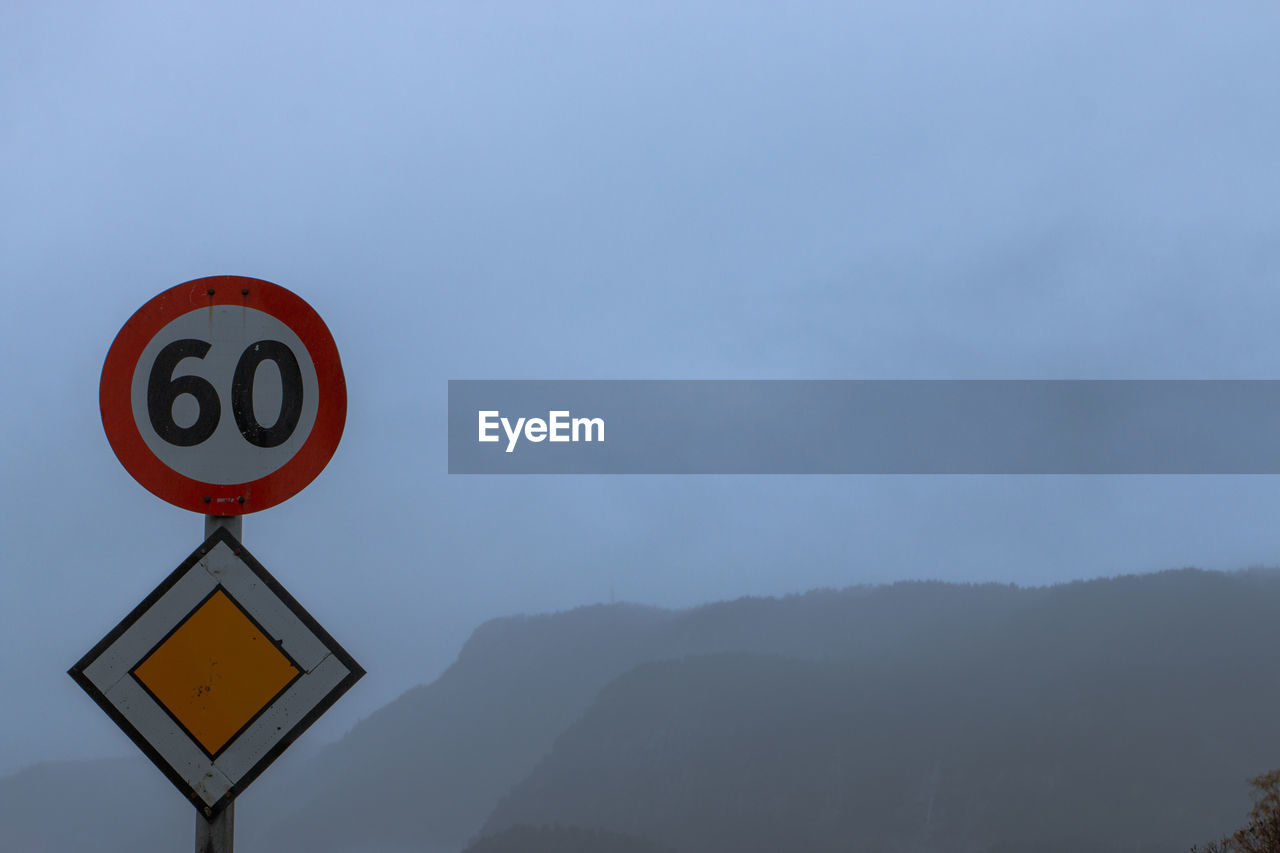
column 115, row 391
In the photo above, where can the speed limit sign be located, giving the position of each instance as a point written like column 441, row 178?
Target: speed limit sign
column 224, row 395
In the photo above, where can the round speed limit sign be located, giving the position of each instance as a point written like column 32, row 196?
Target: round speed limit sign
column 224, row 395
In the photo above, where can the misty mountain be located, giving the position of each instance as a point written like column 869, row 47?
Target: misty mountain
column 110, row 805
column 562, row 839
column 1110, row 715
column 1120, row 714
column 425, row 772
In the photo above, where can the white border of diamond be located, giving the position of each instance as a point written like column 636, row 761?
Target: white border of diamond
column 325, row 666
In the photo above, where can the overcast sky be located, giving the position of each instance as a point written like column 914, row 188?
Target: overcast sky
column 619, row 190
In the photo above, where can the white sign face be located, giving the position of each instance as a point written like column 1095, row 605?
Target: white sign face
column 225, row 394
column 216, row 673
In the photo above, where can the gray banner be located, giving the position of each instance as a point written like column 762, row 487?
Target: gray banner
column 864, row 427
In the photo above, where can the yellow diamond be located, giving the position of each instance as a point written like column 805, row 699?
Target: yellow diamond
column 216, row 672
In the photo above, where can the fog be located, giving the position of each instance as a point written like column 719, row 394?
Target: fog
column 578, row 190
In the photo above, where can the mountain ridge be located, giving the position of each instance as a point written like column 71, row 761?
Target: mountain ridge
column 447, row 763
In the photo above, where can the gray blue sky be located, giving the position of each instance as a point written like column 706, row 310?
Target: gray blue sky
column 682, row 189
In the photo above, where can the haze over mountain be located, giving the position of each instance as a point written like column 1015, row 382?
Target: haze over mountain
column 571, row 189
column 1109, row 715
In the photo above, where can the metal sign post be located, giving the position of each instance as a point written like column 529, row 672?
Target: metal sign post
column 216, row 672
column 217, row 834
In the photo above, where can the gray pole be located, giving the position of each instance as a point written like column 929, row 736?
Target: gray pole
column 233, row 523
column 218, row 835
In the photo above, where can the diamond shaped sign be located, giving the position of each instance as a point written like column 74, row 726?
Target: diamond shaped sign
column 216, row 672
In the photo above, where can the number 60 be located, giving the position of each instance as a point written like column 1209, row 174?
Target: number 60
column 163, row 389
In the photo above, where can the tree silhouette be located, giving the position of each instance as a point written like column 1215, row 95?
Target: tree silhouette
column 1262, row 835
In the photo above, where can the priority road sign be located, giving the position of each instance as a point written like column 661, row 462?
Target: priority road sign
column 216, row 672
column 224, row 395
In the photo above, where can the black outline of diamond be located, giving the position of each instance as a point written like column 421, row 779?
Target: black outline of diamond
column 354, row 674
